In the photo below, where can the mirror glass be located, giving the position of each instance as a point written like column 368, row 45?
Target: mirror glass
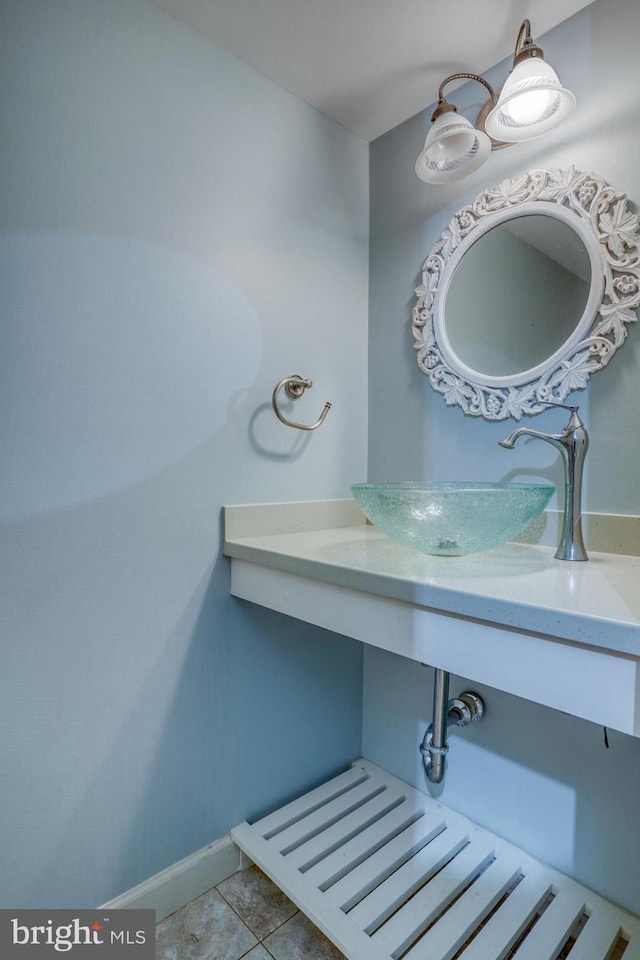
column 517, row 295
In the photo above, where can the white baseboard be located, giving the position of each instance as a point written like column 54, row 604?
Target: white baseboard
column 180, row 883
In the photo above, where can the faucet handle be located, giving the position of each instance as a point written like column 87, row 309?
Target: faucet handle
column 574, row 419
column 557, row 403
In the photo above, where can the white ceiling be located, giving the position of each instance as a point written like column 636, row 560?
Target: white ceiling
column 369, row 64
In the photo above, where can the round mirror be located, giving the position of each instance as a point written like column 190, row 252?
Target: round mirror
column 544, row 274
column 527, row 293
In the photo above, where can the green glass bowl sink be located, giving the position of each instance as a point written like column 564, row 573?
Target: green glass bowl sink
column 451, row 518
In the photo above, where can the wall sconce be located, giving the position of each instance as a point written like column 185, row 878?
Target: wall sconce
column 531, row 102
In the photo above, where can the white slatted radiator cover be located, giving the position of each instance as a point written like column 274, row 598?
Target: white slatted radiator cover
column 387, row 873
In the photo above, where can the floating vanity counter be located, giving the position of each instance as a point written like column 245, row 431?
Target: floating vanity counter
column 563, row 634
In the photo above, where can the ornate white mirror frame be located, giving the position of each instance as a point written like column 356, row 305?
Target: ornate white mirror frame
column 611, row 236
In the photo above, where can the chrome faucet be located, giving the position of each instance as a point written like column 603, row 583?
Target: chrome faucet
column 572, row 443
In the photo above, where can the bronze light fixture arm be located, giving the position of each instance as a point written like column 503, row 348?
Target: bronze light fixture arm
column 444, row 106
column 465, row 76
column 525, row 44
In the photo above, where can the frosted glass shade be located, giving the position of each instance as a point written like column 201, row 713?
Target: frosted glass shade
column 453, row 149
column 531, row 102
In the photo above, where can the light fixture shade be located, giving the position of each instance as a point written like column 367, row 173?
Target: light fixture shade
column 453, row 149
column 531, row 102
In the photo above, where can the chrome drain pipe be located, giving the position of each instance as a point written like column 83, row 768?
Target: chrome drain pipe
column 434, row 746
column 462, row 710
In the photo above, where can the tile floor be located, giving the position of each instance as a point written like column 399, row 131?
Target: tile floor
column 244, row 916
column 248, row 917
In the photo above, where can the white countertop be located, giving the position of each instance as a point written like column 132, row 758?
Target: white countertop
column 522, row 586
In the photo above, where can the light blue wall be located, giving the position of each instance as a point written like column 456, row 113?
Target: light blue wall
column 536, row 776
column 177, row 235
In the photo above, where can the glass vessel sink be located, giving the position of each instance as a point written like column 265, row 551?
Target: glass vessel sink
column 451, row 518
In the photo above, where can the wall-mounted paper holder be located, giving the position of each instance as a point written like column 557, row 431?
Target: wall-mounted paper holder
column 294, row 386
